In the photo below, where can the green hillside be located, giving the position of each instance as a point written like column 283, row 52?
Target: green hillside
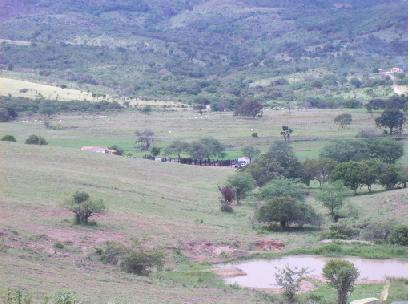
column 274, row 51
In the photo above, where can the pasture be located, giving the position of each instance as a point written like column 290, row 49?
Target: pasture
column 313, row 129
column 171, row 206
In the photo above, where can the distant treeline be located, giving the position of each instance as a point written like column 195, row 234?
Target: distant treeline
column 11, row 107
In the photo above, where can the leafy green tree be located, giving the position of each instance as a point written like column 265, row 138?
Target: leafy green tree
column 198, row 151
column 250, row 152
column 279, row 161
column 349, row 173
column 370, row 172
column 36, row 140
column 282, row 188
column 155, row 151
column 332, row 195
column 341, row 274
column 83, row 207
column 10, row 138
column 286, row 211
column 343, row 119
column 177, row 147
column 346, row 150
column 242, row 182
column 386, row 149
column 393, row 119
column 249, row 109
column 317, row 169
column 389, row 176
column 214, row 148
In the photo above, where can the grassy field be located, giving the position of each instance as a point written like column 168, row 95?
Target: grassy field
column 313, row 129
column 171, row 206
column 164, row 205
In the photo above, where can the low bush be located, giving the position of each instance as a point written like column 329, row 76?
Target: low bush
column 142, row 262
column 10, row 138
column 399, row 235
column 134, row 259
column 111, row 252
column 341, row 231
column 65, row 297
column 18, row 296
column 36, row 140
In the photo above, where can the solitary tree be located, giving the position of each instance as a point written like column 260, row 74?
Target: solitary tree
column 144, row 139
column 286, row 132
column 332, row 195
column 341, row 274
column 392, row 119
column 286, row 211
column 343, row 120
column 83, row 207
column 250, row 152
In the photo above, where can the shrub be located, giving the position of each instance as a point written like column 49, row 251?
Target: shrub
column 399, row 235
column 65, row 297
column 83, row 207
column 36, row 140
column 111, row 252
column 254, row 135
column 377, row 232
column 332, row 196
column 18, row 296
column 142, row 262
column 58, row 245
column 10, row 138
column 341, row 274
column 341, row 231
column 289, row 280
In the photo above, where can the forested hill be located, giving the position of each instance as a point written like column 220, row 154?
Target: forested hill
column 274, row 51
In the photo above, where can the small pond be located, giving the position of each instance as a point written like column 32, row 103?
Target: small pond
column 260, row 273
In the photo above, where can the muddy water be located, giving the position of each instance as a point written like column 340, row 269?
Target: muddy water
column 260, row 273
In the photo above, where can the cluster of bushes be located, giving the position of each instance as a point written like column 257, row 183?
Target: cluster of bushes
column 359, row 163
column 131, row 259
column 11, row 107
column 36, row 140
column 20, row 296
column 31, row 140
column 390, row 233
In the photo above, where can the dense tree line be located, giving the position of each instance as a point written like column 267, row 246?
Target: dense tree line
column 11, row 107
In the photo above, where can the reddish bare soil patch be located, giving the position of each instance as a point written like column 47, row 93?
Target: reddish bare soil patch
column 207, row 250
column 268, row 245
